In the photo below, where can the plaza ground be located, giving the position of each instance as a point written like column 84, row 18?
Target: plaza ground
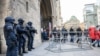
column 41, row 51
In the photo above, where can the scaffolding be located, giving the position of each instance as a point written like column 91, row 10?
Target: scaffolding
column 57, row 44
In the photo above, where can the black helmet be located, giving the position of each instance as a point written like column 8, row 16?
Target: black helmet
column 9, row 19
column 20, row 20
column 29, row 23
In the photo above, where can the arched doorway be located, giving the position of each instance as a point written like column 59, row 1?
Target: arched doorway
column 46, row 15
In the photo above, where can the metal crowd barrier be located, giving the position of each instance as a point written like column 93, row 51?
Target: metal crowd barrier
column 56, row 42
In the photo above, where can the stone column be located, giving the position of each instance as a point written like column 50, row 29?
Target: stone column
column 3, row 14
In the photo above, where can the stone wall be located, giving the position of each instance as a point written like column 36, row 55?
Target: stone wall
column 17, row 9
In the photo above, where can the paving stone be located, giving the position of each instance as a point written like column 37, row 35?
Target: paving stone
column 41, row 51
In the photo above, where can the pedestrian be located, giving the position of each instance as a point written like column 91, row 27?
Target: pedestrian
column 65, row 34
column 54, row 33
column 44, row 35
column 79, row 34
column 86, row 32
column 97, row 37
column 58, row 35
column 92, row 35
column 72, row 34
column 10, row 37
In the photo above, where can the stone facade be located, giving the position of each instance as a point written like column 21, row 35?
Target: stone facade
column 73, row 22
column 82, row 26
column 29, row 10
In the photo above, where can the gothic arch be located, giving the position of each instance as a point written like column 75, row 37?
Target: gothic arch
column 45, row 13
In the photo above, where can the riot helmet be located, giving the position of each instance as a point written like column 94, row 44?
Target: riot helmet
column 29, row 23
column 20, row 20
column 9, row 20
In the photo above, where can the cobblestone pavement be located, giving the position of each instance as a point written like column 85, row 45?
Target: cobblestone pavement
column 41, row 51
column 74, row 51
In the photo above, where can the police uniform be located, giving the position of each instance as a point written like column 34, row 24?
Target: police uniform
column 22, row 40
column 10, row 37
column 31, row 31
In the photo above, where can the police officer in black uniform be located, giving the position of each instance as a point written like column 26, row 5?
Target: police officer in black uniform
column 10, row 37
column 31, row 31
column 20, row 32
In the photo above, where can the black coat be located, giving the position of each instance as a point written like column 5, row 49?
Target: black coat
column 44, row 36
column 79, row 32
column 64, row 32
column 72, row 32
column 54, row 32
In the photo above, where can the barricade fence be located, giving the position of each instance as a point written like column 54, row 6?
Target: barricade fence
column 59, row 39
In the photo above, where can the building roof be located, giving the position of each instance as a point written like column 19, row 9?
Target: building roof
column 72, row 19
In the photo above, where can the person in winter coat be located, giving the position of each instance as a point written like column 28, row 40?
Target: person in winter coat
column 97, row 37
column 65, row 34
column 92, row 35
column 54, row 33
column 72, row 33
column 79, row 34
column 44, row 35
column 86, row 32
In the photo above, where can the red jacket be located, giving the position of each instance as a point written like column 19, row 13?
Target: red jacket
column 92, row 32
column 97, row 35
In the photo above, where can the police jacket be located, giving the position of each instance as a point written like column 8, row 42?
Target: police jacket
column 21, row 31
column 10, row 37
column 31, row 30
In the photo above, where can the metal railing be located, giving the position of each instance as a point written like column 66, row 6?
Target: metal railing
column 56, row 42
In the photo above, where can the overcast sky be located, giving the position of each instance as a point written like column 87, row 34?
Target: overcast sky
column 73, row 7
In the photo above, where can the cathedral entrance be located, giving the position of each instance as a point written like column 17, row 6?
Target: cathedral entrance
column 46, row 15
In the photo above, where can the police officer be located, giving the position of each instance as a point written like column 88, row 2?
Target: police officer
column 11, row 39
column 20, row 32
column 31, row 31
